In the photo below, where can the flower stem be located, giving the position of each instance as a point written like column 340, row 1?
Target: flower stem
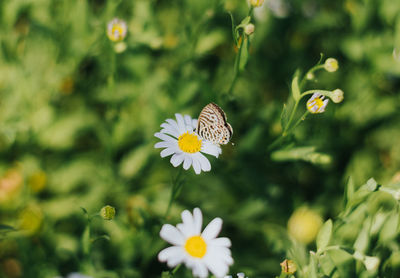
column 177, row 184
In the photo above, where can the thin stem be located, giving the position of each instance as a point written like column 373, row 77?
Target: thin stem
column 236, row 66
column 291, row 117
column 310, row 92
column 175, row 269
column 175, row 190
column 310, row 71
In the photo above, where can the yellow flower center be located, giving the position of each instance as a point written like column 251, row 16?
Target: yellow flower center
column 189, row 143
column 316, row 102
column 196, row 246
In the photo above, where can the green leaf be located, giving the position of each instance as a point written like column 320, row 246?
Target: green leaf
column 233, row 29
column 302, row 153
column 284, row 116
column 390, row 228
column 327, row 265
column 324, row 236
column 295, row 86
column 86, row 240
column 6, row 227
column 362, row 241
column 245, row 21
column 244, row 54
column 313, row 265
column 349, row 189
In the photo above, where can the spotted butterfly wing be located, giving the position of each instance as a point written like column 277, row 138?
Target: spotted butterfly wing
column 212, row 125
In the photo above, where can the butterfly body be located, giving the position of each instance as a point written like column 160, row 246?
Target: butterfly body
column 212, row 125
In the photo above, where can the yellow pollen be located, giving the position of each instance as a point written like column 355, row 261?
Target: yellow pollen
column 189, row 143
column 196, row 246
column 319, row 102
column 316, row 102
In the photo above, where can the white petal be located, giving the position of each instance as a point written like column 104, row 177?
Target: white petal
column 165, row 137
column 196, row 166
column 198, row 220
column 174, row 255
column 223, row 254
column 167, row 129
column 173, row 123
column 171, row 234
column 194, row 123
column 186, row 230
column 200, row 270
column 187, row 162
column 163, row 144
column 167, row 152
column 221, row 242
column 188, row 120
column 204, row 163
column 188, row 221
column 177, row 159
column 210, row 148
column 216, row 266
column 181, row 123
column 212, row 229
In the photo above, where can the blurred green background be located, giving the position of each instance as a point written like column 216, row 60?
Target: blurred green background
column 77, row 124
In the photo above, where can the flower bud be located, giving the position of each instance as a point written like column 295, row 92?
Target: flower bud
column 304, row 225
column 371, row 263
column 249, row 29
column 337, row 96
column 256, row 3
column 288, row 266
column 107, row 212
column 310, row 76
column 331, row 65
column 120, row 47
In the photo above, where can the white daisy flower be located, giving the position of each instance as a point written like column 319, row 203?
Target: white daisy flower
column 185, row 145
column 199, row 251
column 116, row 30
column 317, row 104
column 239, row 275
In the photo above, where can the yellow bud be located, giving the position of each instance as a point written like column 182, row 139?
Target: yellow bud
column 288, row 267
column 331, row 65
column 37, row 181
column 31, row 219
column 310, row 76
column 107, row 212
column 304, row 225
column 120, row 47
column 256, row 3
column 117, row 30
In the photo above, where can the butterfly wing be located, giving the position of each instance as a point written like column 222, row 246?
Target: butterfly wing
column 212, row 125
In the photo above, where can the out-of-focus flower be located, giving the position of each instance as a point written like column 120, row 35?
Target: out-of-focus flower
column 137, row 207
column 185, row 146
column 317, row 104
column 107, row 212
column 117, row 30
column 337, row 96
column 200, row 251
column 396, row 54
column 75, row 275
column 37, row 181
column 239, row 275
column 10, row 184
column 256, row 3
column 249, row 29
column 304, row 225
column 288, row 266
column 31, row 219
column 331, row 65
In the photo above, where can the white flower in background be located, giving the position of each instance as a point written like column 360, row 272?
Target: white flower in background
column 180, row 141
column 75, row 275
column 278, row 8
column 200, row 251
column 256, row 3
column 116, row 30
column 317, row 104
column 239, row 275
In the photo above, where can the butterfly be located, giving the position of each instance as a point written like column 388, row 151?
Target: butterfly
column 212, row 125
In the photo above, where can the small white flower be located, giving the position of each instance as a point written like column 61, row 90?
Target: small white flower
column 317, row 104
column 116, row 30
column 200, row 251
column 185, row 145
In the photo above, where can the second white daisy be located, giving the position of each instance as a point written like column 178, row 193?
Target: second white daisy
column 185, row 146
column 200, row 251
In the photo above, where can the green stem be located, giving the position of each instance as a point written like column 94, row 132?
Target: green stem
column 310, row 92
column 310, row 71
column 177, row 184
column 236, row 66
column 291, row 117
column 175, row 269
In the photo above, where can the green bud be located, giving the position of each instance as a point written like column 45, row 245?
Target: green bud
column 107, row 212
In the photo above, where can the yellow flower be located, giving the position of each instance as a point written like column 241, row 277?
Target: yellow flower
column 31, row 219
column 37, row 181
column 304, row 225
column 116, row 30
column 256, row 3
column 331, row 65
column 107, row 212
column 317, row 104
